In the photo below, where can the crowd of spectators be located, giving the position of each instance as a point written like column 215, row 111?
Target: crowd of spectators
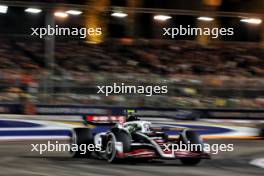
column 179, row 63
column 154, row 57
column 141, row 56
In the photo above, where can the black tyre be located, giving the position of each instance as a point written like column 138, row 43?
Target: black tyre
column 261, row 130
column 191, row 137
column 117, row 136
column 190, row 161
column 262, row 133
column 81, row 136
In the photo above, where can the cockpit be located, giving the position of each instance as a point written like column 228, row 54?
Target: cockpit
column 142, row 126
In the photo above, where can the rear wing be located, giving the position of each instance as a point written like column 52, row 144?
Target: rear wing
column 104, row 120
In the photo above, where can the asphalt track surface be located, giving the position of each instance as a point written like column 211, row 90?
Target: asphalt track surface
column 16, row 159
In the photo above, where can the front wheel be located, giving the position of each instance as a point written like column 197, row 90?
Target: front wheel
column 191, row 137
column 111, row 152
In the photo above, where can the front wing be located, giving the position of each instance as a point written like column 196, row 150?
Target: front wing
column 147, row 152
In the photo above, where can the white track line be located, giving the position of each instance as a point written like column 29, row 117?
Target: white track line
column 258, row 162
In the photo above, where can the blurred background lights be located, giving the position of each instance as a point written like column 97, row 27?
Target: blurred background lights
column 74, row 12
column 119, row 14
column 204, row 18
column 33, row 10
column 162, row 17
column 251, row 20
column 3, row 8
column 61, row 14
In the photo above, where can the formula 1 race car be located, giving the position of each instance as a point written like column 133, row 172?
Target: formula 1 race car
column 137, row 139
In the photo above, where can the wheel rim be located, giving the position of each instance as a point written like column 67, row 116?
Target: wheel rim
column 110, row 150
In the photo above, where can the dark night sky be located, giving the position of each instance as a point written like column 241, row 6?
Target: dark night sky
column 16, row 21
column 256, row 6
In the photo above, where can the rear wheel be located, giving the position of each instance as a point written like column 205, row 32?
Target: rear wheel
column 191, row 137
column 117, row 136
column 261, row 133
column 81, row 136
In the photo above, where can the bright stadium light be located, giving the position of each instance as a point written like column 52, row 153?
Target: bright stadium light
column 3, row 9
column 162, row 17
column 61, row 14
column 204, row 18
column 251, row 20
column 33, row 10
column 74, row 12
column 119, row 14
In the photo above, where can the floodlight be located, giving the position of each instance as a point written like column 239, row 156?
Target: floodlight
column 33, row 10
column 74, row 12
column 162, row 17
column 204, row 18
column 119, row 14
column 61, row 14
column 251, row 20
column 3, row 9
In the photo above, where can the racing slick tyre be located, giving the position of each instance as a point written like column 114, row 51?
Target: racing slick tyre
column 81, row 136
column 117, row 136
column 191, row 137
column 261, row 132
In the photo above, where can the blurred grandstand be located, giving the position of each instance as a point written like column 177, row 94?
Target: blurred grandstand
column 218, row 74
column 221, row 75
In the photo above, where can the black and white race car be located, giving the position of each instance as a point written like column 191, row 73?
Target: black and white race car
column 137, row 139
